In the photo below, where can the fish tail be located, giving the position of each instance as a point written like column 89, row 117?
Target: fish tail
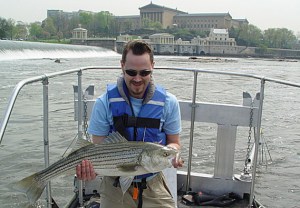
column 32, row 186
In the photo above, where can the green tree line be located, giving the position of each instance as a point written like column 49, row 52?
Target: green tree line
column 104, row 24
column 59, row 27
column 250, row 35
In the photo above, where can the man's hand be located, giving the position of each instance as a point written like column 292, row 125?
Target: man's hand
column 177, row 162
column 85, row 171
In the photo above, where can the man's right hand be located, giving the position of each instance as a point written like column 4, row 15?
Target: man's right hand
column 85, row 171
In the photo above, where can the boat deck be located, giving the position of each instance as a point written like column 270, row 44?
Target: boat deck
column 239, row 204
column 180, row 204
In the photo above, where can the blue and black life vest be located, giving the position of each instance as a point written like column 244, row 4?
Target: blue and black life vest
column 142, row 127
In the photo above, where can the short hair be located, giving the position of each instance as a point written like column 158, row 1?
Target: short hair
column 138, row 47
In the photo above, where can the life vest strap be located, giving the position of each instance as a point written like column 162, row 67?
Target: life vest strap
column 138, row 122
column 141, row 187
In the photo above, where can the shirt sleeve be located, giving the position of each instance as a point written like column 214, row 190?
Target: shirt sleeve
column 172, row 117
column 101, row 117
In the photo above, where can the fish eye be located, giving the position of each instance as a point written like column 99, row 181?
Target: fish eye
column 166, row 154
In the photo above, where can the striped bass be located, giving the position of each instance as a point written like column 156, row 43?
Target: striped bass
column 114, row 157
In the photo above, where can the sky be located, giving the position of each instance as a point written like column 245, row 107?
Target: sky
column 262, row 13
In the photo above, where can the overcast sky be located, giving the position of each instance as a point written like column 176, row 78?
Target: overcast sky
column 261, row 13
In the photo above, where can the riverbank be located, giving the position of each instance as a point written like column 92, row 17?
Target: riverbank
column 247, row 52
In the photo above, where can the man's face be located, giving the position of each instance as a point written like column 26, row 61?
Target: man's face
column 137, row 84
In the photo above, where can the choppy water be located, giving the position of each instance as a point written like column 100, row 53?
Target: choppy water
column 21, row 151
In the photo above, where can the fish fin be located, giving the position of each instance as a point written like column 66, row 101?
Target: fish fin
column 125, row 183
column 32, row 186
column 80, row 143
column 128, row 167
column 114, row 137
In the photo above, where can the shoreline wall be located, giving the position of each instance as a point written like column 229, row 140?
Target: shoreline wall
column 109, row 43
column 196, row 50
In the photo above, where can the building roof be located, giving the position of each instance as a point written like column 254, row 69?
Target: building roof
column 204, row 15
column 220, row 31
column 151, row 5
column 161, row 34
column 241, row 20
column 79, row 29
column 128, row 16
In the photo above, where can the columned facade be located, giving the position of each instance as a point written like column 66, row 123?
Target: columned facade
column 154, row 16
column 203, row 21
column 161, row 14
column 168, row 18
column 79, row 33
column 162, row 38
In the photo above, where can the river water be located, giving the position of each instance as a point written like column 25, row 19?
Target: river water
column 21, row 151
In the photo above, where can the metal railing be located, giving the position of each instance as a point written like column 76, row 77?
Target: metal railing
column 45, row 81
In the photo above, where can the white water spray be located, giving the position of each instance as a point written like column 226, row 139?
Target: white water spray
column 16, row 50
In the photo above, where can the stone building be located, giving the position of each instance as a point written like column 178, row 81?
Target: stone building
column 220, row 37
column 184, row 47
column 162, row 38
column 218, row 42
column 157, row 13
column 203, row 21
column 55, row 13
column 162, row 43
column 79, row 33
column 169, row 17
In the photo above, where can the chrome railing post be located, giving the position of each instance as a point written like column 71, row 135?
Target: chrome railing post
column 80, row 132
column 188, row 181
column 257, row 139
column 46, row 135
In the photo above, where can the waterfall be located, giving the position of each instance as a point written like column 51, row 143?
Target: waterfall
column 10, row 50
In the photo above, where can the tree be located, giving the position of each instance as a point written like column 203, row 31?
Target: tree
column 279, row 38
column 233, row 32
column 248, row 35
column 35, row 31
column 184, row 34
column 254, row 35
column 114, row 27
column 72, row 23
column 11, row 28
column 100, row 23
column 21, row 31
column 156, row 25
column 86, row 20
column 4, row 27
column 48, row 26
column 104, row 21
column 146, row 23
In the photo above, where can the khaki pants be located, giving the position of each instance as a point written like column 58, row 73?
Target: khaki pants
column 155, row 195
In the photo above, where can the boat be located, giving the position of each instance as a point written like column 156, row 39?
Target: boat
column 222, row 188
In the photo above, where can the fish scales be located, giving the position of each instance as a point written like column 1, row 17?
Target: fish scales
column 115, row 157
column 108, row 156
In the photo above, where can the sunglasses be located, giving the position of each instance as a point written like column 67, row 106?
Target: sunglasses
column 142, row 73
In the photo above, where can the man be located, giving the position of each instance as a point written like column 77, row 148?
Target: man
column 140, row 111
